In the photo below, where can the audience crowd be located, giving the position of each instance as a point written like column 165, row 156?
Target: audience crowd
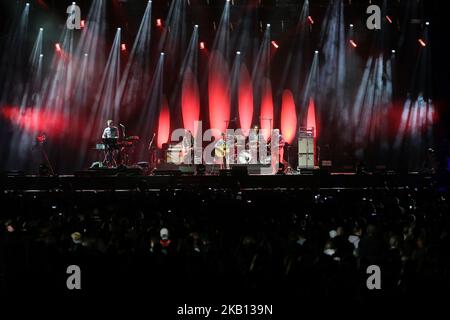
column 204, row 242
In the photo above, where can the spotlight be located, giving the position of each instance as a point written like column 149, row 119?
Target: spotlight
column 275, row 45
column 393, row 51
column 268, row 25
column 162, row 53
column 238, row 52
column 353, row 43
column 85, row 54
column 389, row 19
column 310, row 19
column 316, row 52
column 41, row 29
column 351, row 25
column 427, row 23
column 422, row 43
column 118, row 29
column 196, row 26
column 58, row 47
column 73, row 3
column 41, row 55
column 82, row 23
column 27, row 4
column 123, row 47
column 158, row 22
column 202, row 45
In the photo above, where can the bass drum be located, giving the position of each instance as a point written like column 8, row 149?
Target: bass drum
column 244, row 157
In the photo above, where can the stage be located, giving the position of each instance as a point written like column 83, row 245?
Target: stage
column 123, row 181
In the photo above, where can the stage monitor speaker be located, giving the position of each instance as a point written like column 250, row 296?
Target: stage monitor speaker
column 95, row 171
column 167, row 166
column 187, row 170
column 200, row 169
column 239, row 171
column 306, row 171
column 224, row 172
column 145, row 167
column 162, row 171
column 124, row 171
column 96, row 165
column 121, row 171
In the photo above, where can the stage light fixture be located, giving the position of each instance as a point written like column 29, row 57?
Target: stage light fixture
column 310, row 19
column 123, row 47
column 422, row 43
column 427, row 23
column 238, row 52
column 202, row 45
column 353, row 43
column 316, row 52
column 196, row 26
column 162, row 53
column 158, row 22
column 393, row 51
column 389, row 19
column 85, row 54
column 41, row 29
column 118, row 29
column 58, row 47
column 268, row 25
column 82, row 23
column 41, row 55
column 27, row 4
column 275, row 45
column 351, row 25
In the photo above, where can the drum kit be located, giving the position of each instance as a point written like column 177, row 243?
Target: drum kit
column 242, row 156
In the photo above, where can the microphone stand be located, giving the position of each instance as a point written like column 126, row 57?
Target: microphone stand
column 123, row 130
column 151, row 142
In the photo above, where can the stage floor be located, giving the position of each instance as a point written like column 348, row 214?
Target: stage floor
column 94, row 181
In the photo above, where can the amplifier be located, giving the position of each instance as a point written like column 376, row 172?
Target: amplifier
column 306, row 152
